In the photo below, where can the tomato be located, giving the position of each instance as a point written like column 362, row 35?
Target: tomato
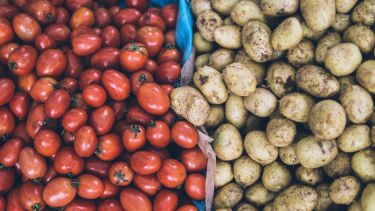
column 13, row 200
column 62, row 15
column 47, row 142
column 136, row 114
column 85, row 141
column 152, row 37
column 155, row 10
column 116, row 84
column 5, row 51
column 7, row 122
column 44, row 42
column 194, row 160
column 20, row 132
column 133, row 57
column 102, row 17
column 7, row 88
column 138, row 78
column 97, row 167
column 169, row 53
column 73, row 5
column 86, row 44
column 82, row 17
column 89, row 76
column 32, row 165
column 74, row 119
column 36, row 120
column 68, row 137
column 152, row 19
column 145, row 162
column 168, row 72
column 6, row 33
column 94, row 95
column 74, row 65
column 2, row 203
column 162, row 153
column 171, row 173
column 8, row 11
column 153, row 99
column 114, row 9
column 68, row 162
column 79, row 204
column 110, row 204
column 119, row 109
column 57, row 104
column 169, row 13
column 165, row 200
column 42, row 89
column 109, row 147
column 20, row 104
column 105, row 58
column 26, row 27
column 42, row 10
column 128, row 33
column 50, row 174
column 110, row 190
column 167, row 89
column 134, row 137
column 89, row 186
column 51, row 62
column 134, row 200
column 8, row 178
column 148, row 184
column 151, row 66
column 111, row 37
column 185, row 134
column 59, row 192
column 158, row 134
column 121, row 174
column 138, row 4
column 187, row 207
column 102, row 119
column 195, row 186
column 128, row 15
column 69, row 84
column 31, row 196
column 22, row 60
column 10, row 152
column 59, row 32
column 170, row 37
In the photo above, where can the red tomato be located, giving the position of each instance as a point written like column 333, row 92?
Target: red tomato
column 47, row 142
column 8, row 178
column 125, row 16
column 171, row 173
column 59, row 32
column 139, row 78
column 7, row 88
column 7, row 122
column 13, row 200
column 158, row 134
column 109, row 147
column 59, row 192
column 74, row 119
column 169, row 13
column 36, row 120
column 170, row 37
column 68, row 162
column 44, row 42
column 137, row 115
column 194, row 160
column 102, row 119
column 133, row 57
column 134, row 137
column 137, row 4
column 86, row 44
column 110, row 190
column 162, row 153
column 105, row 58
column 73, row 5
column 26, row 82
column 153, row 99
column 26, row 27
column 20, row 132
column 89, row 186
column 114, row 9
column 152, row 19
column 110, row 204
column 42, row 89
column 102, row 17
column 6, row 33
column 32, row 165
column 5, row 51
column 79, row 204
column 169, row 53
column 195, row 186
column 155, row 10
column 145, row 162
column 42, row 10
column 89, row 76
column 62, row 15
column 168, row 72
column 2, row 203
column 187, row 207
column 148, row 184
column 57, row 104
column 128, row 33
column 151, row 66
column 22, row 60
column 185, row 134
column 51, row 62
column 85, row 141
column 50, row 174
column 165, row 200
column 94, row 95
column 74, row 65
column 97, row 167
column 10, row 152
column 134, row 200
column 78, row 102
column 167, row 89
column 31, row 196
column 121, row 174
column 82, row 17
column 152, row 37
column 116, row 84
column 69, row 84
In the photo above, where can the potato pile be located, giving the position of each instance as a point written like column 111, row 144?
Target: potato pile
column 285, row 87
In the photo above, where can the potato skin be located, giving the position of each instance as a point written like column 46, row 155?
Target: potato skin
column 256, row 40
column 235, row 111
column 287, row 35
column 259, row 148
column 223, row 7
column 362, row 36
column 296, row 106
column 257, row 194
column 201, row 60
column 344, row 190
column 341, row 22
column 246, row 171
column 343, row 59
column 363, row 165
column 280, row 78
column 276, row 177
column 296, row 197
column 228, row 196
column 344, row 6
column 228, row 143
column 368, row 198
column 318, row 14
column 239, row 79
column 261, row 102
column 198, row 6
column 257, row 68
column 223, row 173
column 324, row 44
column 201, row 45
column 281, row 132
column 323, row 197
column 316, row 81
column 276, row 8
column 366, row 75
column 308, row 33
column 288, row 154
column 220, row 58
column 340, row 166
column 246, row 207
column 228, row 36
column 364, row 13
column 215, row 117
column 207, row 22
column 301, row 54
column 309, row 176
column 245, row 11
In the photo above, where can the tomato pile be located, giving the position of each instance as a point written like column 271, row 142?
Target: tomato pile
column 85, row 118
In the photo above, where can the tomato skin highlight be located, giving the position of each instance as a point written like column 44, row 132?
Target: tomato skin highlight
column 134, row 200
column 153, row 99
column 195, row 186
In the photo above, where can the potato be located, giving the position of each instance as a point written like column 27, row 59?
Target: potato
column 245, row 11
column 344, row 6
column 324, row 44
column 223, row 7
column 318, row 14
column 309, row 176
column 201, row 45
column 362, row 36
column 366, row 75
column 296, row 106
column 223, row 173
column 363, row 165
column 372, row 134
column 327, row 119
column 223, row 209
column 276, row 177
column 314, row 153
column 201, row 60
column 228, row 196
column 341, row 22
column 253, row 123
column 346, row 82
column 239, row 79
column 256, row 39
column 228, row 21
column 301, row 54
column 344, row 190
column 354, row 138
column 281, row 132
column 316, row 81
column 275, row 8
column 368, row 198
column 364, row 12
column 261, row 102
column 340, row 166
column 246, row 207
column 198, row 6
column 258, row 147
column 257, row 68
column 257, row 194
column 288, row 154
column 296, row 197
column 280, row 78
column 308, row 33
column 228, row 36
column 209, row 81
column 268, row 207
column 246, row 171
column 324, row 202
column 220, row 58
column 207, row 22
column 228, row 143
column 216, row 116
column 235, row 111
column 189, row 103
column 357, row 103
column 355, row 206
column 287, row 35
column 343, row 59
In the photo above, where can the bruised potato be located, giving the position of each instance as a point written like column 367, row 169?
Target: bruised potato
column 246, row 171
column 223, row 173
column 220, row 58
column 324, row 44
column 281, row 132
column 280, row 78
column 228, row 36
column 207, row 22
column 239, row 79
column 261, row 102
column 228, row 143
column 223, row 7
column 235, row 111
column 275, row 8
column 259, row 148
column 287, row 35
column 201, row 45
column 288, row 154
column 362, row 36
column 228, row 196
column 363, row 165
column 296, row 106
column 276, row 177
column 296, row 197
column 258, row 194
column 343, row 59
column 366, row 75
column 301, row 54
column 344, row 190
column 216, row 116
column 318, row 14
column 309, row 176
column 340, row 166
column 245, row 11
column 364, row 13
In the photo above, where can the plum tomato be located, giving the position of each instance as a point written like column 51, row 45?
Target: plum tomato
column 153, row 99
column 134, row 137
column 158, row 134
column 148, row 184
column 59, row 192
column 194, row 160
column 165, row 200
column 133, row 199
column 185, row 134
column 172, row 173
column 195, row 186
column 133, row 57
column 121, row 174
column 145, row 162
